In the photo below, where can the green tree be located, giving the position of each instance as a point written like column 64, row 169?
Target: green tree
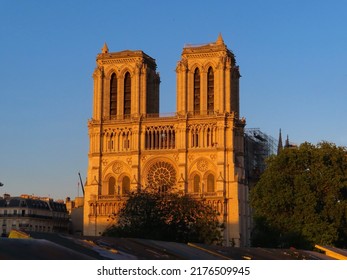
column 301, row 198
column 168, row 216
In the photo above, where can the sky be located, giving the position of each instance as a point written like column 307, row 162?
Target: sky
column 292, row 57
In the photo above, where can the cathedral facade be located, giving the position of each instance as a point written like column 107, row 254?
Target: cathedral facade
column 199, row 149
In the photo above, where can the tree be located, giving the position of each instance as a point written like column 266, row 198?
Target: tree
column 301, row 198
column 168, row 216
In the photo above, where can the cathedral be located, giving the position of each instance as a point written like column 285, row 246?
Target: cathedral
column 199, row 149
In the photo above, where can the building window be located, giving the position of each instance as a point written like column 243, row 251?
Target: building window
column 113, row 95
column 195, row 138
column 197, row 91
column 126, row 141
column 208, row 138
column 196, row 184
column 111, row 142
column 210, row 183
column 111, row 185
column 161, row 137
column 161, row 176
column 92, row 209
column 126, row 185
column 210, row 91
column 127, row 94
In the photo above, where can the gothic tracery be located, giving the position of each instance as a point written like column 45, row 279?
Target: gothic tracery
column 161, row 174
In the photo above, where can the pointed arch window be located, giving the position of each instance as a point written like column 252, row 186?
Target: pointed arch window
column 127, row 94
column 197, row 91
column 208, row 139
column 92, row 209
column 195, row 139
column 210, row 91
column 111, row 142
column 196, row 188
column 113, row 95
column 111, row 185
column 210, row 183
column 125, row 185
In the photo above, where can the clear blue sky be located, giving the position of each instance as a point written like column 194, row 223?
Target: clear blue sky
column 292, row 57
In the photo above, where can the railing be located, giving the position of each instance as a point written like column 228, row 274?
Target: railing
column 32, row 216
column 137, row 116
column 210, row 113
column 112, row 197
column 190, row 114
column 195, row 194
column 210, row 194
column 161, row 115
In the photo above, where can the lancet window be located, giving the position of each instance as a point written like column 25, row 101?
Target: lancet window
column 195, row 138
column 210, row 183
column 197, row 91
column 113, row 95
column 202, row 135
column 196, row 188
column 111, row 186
column 125, row 185
column 210, row 91
column 127, row 95
column 117, row 140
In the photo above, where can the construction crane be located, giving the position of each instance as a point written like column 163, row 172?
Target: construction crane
column 81, row 183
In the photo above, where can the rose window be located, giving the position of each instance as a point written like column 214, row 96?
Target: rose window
column 161, row 174
column 117, row 167
column 202, row 165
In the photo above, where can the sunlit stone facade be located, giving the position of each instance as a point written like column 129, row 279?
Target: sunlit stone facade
column 198, row 150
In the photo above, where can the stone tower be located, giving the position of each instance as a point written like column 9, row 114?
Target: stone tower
column 208, row 80
column 125, row 84
column 198, row 149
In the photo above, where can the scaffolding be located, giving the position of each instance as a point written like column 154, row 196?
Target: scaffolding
column 258, row 147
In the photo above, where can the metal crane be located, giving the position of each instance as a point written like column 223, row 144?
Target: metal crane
column 81, row 183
